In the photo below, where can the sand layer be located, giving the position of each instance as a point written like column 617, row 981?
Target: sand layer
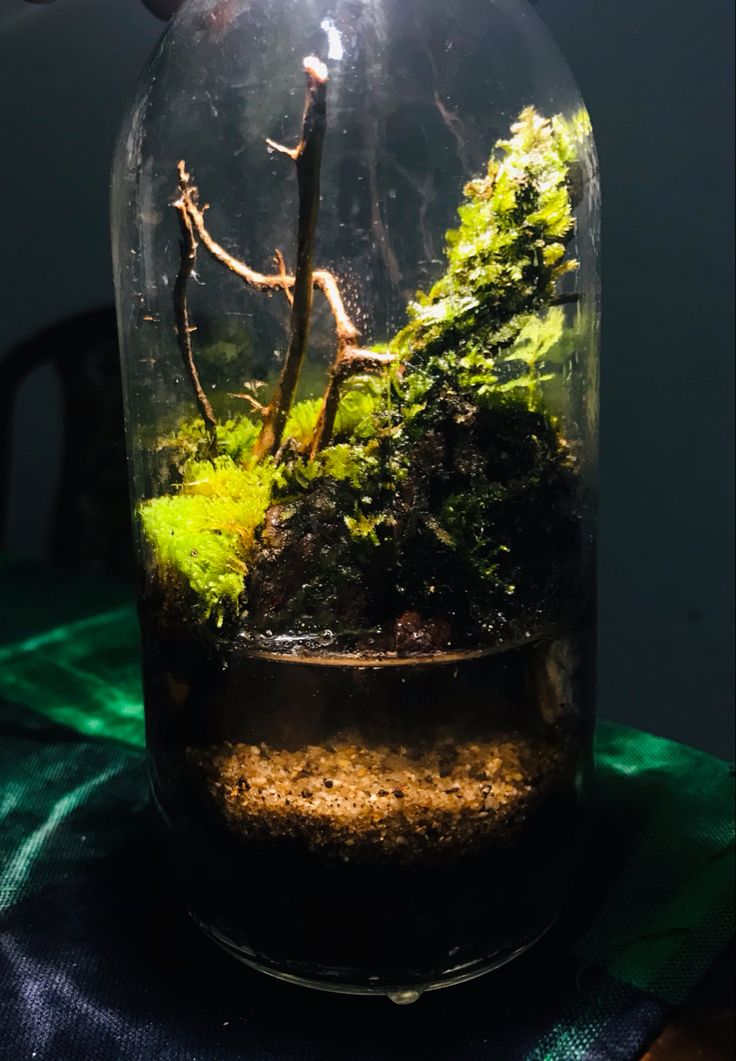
column 352, row 800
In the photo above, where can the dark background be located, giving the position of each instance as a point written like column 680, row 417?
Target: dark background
column 657, row 76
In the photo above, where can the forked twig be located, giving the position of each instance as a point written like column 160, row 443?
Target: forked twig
column 184, row 328
column 349, row 361
column 280, row 281
column 349, row 357
column 257, row 406
column 308, row 158
column 283, row 274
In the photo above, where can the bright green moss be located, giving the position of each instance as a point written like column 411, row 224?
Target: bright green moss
column 535, row 342
column 225, row 478
column 355, row 415
column 508, row 252
column 344, row 462
column 364, row 528
column 235, row 438
column 302, row 421
column 358, row 409
column 204, row 534
column 196, row 539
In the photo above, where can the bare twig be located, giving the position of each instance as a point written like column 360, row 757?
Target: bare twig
column 363, row 361
column 281, row 281
column 184, row 328
column 565, row 300
column 344, row 328
column 349, row 358
column 292, row 152
column 308, row 158
column 252, row 402
column 350, row 361
column 283, row 274
column 190, row 202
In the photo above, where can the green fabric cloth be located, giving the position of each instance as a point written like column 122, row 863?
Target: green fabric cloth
column 667, row 909
column 84, row 674
column 672, row 904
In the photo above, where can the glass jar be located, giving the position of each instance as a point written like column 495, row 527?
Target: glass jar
column 355, row 254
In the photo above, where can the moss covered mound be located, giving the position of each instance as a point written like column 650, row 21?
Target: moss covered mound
column 447, row 492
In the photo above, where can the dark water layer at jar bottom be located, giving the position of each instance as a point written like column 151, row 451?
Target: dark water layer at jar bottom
column 368, row 827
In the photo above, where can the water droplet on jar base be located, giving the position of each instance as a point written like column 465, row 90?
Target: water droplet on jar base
column 404, row 996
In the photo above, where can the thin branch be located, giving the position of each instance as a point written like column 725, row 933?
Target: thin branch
column 566, row 300
column 292, row 152
column 349, row 358
column 363, row 361
column 190, row 202
column 308, row 160
column 184, row 328
column 349, row 361
column 344, row 328
column 283, row 274
column 281, row 281
column 253, row 402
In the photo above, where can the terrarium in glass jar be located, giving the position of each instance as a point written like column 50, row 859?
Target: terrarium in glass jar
column 355, row 256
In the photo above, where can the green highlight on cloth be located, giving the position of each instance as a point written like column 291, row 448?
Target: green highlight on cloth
column 669, row 906
column 672, row 903
column 16, row 870
column 85, row 675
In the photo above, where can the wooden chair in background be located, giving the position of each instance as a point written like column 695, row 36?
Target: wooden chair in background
column 89, row 526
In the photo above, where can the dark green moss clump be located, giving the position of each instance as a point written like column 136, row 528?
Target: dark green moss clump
column 443, row 511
